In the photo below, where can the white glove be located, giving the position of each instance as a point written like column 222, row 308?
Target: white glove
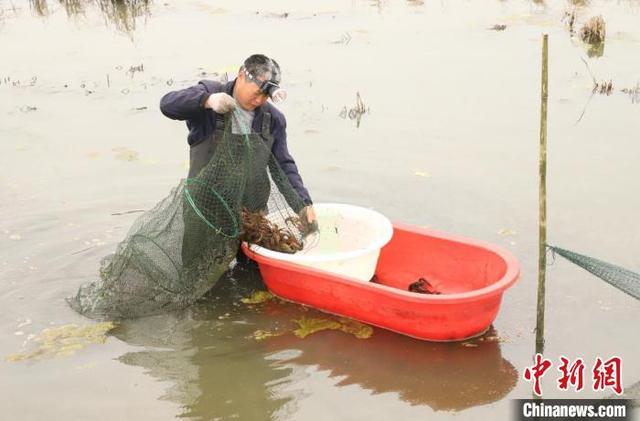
column 221, row 103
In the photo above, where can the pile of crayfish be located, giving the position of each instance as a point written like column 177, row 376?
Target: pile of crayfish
column 257, row 229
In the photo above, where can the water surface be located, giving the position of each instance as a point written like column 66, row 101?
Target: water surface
column 449, row 141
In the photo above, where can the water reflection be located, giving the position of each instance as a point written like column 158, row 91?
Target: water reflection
column 73, row 7
column 443, row 376
column 39, row 7
column 596, row 50
column 208, row 353
column 219, row 370
column 211, row 374
column 121, row 14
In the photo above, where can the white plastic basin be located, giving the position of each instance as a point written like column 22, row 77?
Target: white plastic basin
column 348, row 242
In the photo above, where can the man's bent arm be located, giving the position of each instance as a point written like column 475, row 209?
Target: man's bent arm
column 286, row 162
column 185, row 104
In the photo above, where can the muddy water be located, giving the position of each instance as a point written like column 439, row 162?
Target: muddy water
column 449, row 141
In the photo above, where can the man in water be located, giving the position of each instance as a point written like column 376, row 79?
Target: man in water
column 204, row 105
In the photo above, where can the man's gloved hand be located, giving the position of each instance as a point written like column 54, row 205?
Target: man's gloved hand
column 221, row 103
column 308, row 220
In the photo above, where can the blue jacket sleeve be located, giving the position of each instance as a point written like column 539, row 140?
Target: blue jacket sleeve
column 285, row 160
column 185, row 104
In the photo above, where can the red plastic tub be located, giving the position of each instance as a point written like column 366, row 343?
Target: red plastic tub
column 470, row 275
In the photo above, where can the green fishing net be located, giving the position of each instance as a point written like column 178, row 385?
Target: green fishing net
column 621, row 278
column 174, row 253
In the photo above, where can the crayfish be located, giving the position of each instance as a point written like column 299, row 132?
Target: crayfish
column 257, row 229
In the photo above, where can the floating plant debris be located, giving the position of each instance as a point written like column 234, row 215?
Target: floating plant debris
column 357, row 329
column 258, row 297
column 260, row 335
column 65, row 340
column 310, row 325
column 498, row 28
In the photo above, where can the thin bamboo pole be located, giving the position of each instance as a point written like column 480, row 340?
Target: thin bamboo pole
column 542, row 261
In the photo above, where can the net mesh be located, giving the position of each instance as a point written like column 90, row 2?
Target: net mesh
column 177, row 251
column 621, row 278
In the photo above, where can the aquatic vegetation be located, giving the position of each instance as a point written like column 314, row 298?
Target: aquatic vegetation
column 356, row 112
column 258, row 297
column 135, row 69
column 498, row 28
column 65, row 340
column 311, row 325
column 260, row 335
column 603, row 88
column 569, row 19
column 357, row 329
column 634, row 93
column 122, row 14
column 594, row 31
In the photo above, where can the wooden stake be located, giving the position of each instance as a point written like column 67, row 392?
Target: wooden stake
column 542, row 252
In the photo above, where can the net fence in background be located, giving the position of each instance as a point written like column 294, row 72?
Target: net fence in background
column 621, row 278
